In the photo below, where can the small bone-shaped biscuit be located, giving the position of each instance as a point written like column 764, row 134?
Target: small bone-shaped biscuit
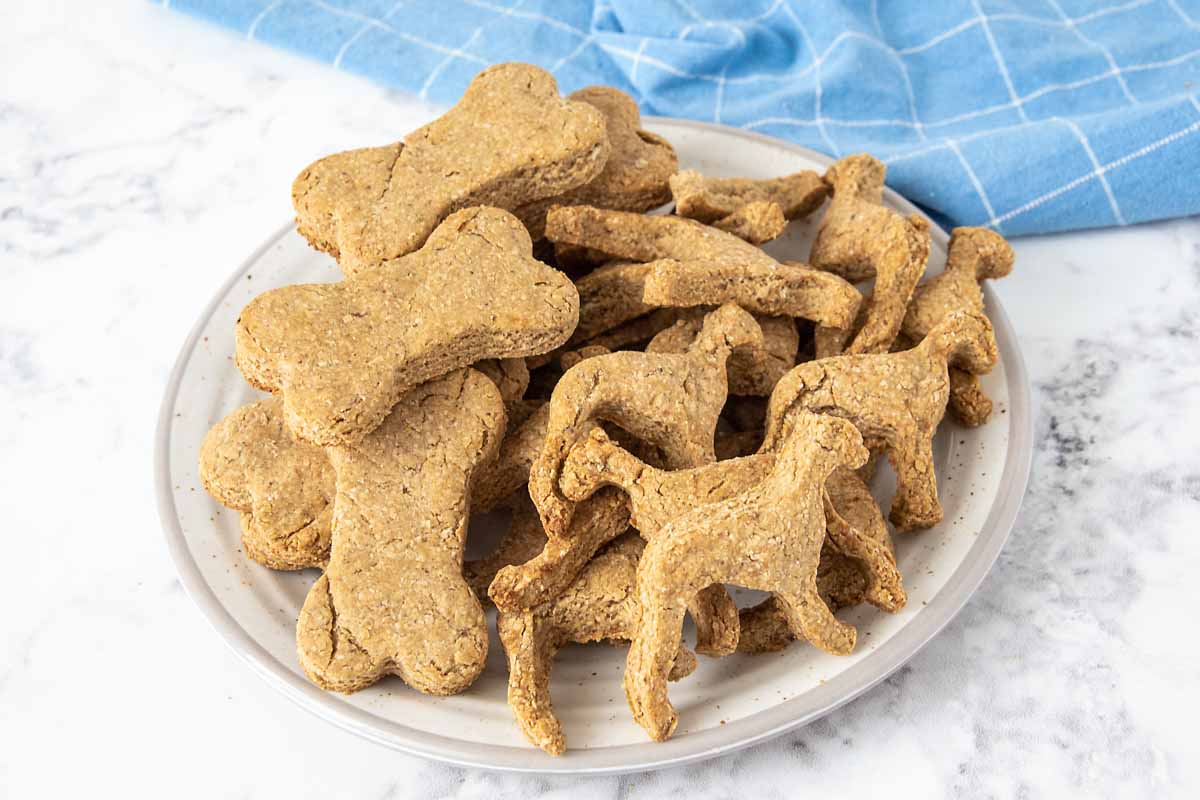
column 747, row 376
column 601, row 604
column 858, row 232
column 976, row 255
column 393, row 599
column 510, row 140
column 883, row 311
column 636, row 175
column 895, row 398
column 283, row 488
column 342, row 354
column 767, row 538
column 694, row 264
column 713, row 200
column 669, row 400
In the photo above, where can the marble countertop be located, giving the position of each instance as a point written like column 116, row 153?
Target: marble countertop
column 144, row 155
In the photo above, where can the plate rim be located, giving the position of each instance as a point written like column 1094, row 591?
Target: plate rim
column 757, row 728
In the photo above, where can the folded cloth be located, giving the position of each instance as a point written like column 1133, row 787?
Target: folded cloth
column 1028, row 116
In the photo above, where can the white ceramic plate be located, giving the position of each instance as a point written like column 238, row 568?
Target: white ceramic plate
column 727, row 703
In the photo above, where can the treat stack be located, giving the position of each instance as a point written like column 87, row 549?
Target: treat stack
column 646, row 422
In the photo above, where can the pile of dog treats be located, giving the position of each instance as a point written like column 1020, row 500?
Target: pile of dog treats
column 664, row 407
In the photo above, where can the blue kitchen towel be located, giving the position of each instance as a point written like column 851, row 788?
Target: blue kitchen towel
column 1029, row 116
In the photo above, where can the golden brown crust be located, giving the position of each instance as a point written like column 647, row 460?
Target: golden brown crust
column 342, row 354
column 712, row 199
column 283, row 488
column 767, row 537
column 895, row 398
column 635, row 176
column 858, row 229
column 393, row 598
column 599, row 605
column 747, row 375
column 509, row 141
column 975, row 255
column 668, row 400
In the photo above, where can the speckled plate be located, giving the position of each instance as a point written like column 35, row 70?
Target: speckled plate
column 727, row 703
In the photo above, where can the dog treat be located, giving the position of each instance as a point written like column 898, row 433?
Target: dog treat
column 766, row 287
column 608, row 297
column 858, row 565
column 975, row 255
column 693, row 264
column 636, row 175
column 510, row 375
column 747, row 375
column 282, row 488
column 393, row 598
column 342, row 354
column 897, row 398
column 756, row 223
column 767, row 538
column 509, row 471
column 522, row 540
column 640, row 330
column 882, row 312
column 858, row 232
column 511, row 140
column 713, row 200
column 601, row 604
column 669, row 400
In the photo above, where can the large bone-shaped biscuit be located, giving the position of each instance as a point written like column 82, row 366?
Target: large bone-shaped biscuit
column 768, row 537
column 283, row 488
column 510, row 140
column 636, row 175
column 393, row 598
column 692, row 264
column 342, row 354
column 976, row 255
column 897, row 399
column 601, row 604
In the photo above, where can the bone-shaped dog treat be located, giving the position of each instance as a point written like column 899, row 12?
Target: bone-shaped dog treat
column 747, row 375
column 896, row 398
column 669, row 400
column 510, row 140
column 975, row 255
column 881, row 314
column 694, row 264
column 636, row 175
column 756, row 223
column 342, row 354
column 713, row 200
column 858, row 232
column 601, row 604
column 283, row 488
column 767, row 538
column 393, row 599
column 858, row 565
